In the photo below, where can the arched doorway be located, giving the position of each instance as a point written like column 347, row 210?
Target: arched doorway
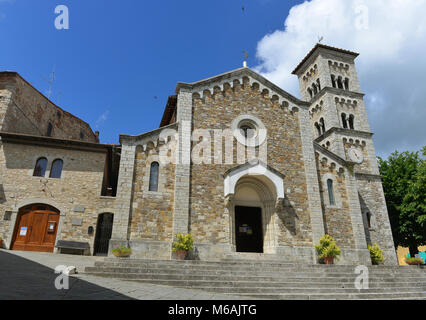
column 253, row 219
column 103, row 234
column 36, row 228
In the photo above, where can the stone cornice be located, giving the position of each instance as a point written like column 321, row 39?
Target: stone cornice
column 332, row 155
column 336, row 91
column 347, row 132
column 146, row 135
column 238, row 73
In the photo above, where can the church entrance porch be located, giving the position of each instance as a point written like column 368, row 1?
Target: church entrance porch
column 248, row 233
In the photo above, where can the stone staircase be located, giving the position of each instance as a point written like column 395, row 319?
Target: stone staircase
column 269, row 279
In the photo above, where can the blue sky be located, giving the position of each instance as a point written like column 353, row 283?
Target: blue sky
column 118, row 56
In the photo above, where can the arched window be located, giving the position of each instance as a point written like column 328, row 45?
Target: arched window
column 322, row 124
column 351, row 122
column 40, row 168
column 318, row 128
column 315, row 88
column 310, row 92
column 319, row 84
column 333, row 81
column 56, row 170
column 330, row 192
column 340, row 83
column 153, row 177
column 49, row 130
column 347, row 84
column 344, row 121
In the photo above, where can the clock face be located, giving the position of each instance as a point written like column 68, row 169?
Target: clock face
column 356, row 155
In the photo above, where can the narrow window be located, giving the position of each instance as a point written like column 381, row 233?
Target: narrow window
column 369, row 220
column 333, row 81
column 344, row 121
column 351, row 122
column 322, row 123
column 315, row 88
column 153, row 178
column 310, row 92
column 40, row 168
column 346, row 84
column 56, row 170
column 340, row 83
column 49, row 130
column 331, row 192
column 319, row 85
column 318, row 128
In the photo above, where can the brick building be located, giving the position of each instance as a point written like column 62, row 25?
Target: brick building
column 243, row 165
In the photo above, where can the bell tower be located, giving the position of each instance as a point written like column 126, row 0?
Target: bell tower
column 328, row 80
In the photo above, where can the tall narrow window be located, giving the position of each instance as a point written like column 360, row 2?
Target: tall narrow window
column 310, row 92
column 153, row 178
column 346, row 84
column 318, row 128
column 56, row 170
column 331, row 192
column 322, row 123
column 351, row 122
column 49, row 130
column 315, row 88
column 340, row 83
column 319, row 84
column 344, row 121
column 369, row 220
column 40, row 168
column 333, row 81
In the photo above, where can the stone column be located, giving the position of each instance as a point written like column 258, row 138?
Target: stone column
column 120, row 231
column 312, row 184
column 183, row 164
column 357, row 220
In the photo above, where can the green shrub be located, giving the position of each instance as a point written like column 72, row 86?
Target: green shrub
column 414, row 261
column 183, row 242
column 327, row 248
column 376, row 254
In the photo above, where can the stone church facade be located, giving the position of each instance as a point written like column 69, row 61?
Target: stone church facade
column 245, row 167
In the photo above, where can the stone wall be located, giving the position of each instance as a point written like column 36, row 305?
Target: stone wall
column 25, row 110
column 209, row 220
column 77, row 194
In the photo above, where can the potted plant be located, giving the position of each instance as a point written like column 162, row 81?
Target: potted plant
column 414, row 261
column 182, row 245
column 327, row 249
column 376, row 254
column 122, row 252
column 1, row 242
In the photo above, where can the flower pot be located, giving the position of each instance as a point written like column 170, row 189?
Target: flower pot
column 1, row 244
column 121, row 254
column 181, row 254
column 329, row 260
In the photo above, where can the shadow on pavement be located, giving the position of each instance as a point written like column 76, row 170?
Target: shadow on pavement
column 23, row 279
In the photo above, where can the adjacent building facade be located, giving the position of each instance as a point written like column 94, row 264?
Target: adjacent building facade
column 242, row 165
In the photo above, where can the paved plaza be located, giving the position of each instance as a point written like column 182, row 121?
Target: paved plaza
column 31, row 276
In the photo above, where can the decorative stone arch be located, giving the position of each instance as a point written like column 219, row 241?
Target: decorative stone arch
column 255, row 185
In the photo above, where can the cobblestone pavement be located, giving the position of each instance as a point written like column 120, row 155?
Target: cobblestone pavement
column 31, row 276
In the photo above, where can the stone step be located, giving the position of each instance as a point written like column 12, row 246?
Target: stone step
column 362, row 296
column 309, row 290
column 264, row 273
column 256, row 281
column 202, row 268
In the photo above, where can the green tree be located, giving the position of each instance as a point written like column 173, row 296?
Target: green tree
column 404, row 183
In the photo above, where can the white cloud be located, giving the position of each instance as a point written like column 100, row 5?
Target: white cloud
column 391, row 67
column 102, row 119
